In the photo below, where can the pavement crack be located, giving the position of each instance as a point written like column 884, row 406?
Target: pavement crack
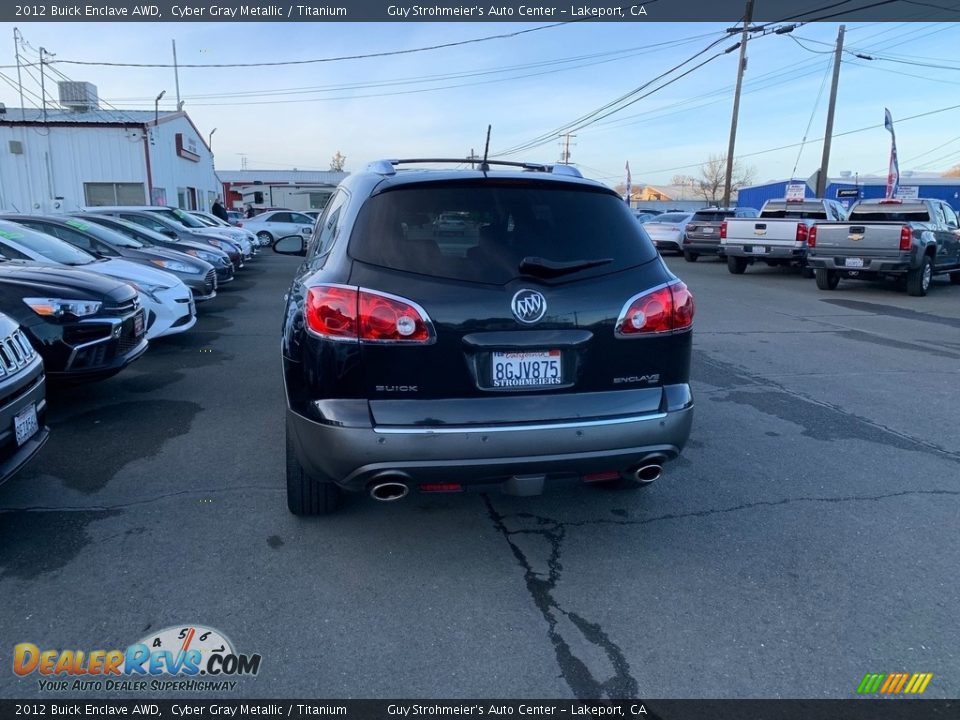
column 575, row 670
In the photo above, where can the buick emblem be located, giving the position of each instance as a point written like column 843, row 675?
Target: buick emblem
column 528, row 306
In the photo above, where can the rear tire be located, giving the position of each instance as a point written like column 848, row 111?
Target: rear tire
column 690, row 256
column 307, row 495
column 918, row 281
column 264, row 237
column 827, row 279
column 737, row 265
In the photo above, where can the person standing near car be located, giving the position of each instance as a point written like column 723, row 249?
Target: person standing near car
column 250, row 211
column 219, row 210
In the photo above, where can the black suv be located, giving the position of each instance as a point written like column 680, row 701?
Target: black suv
column 547, row 340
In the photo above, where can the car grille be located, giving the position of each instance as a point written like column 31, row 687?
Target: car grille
column 121, row 309
column 16, row 352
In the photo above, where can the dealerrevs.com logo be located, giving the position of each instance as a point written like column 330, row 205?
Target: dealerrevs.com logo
column 188, row 657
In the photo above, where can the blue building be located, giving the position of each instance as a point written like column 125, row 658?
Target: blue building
column 849, row 189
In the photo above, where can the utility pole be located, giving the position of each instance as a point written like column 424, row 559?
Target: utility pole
column 176, row 74
column 16, row 49
column 565, row 155
column 43, row 92
column 828, row 136
column 472, row 157
column 747, row 19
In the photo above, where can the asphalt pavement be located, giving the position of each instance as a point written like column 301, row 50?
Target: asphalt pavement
column 808, row 534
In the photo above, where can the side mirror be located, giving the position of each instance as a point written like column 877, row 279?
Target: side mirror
column 291, row 245
column 170, row 234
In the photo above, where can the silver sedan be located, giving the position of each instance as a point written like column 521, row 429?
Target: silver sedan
column 667, row 230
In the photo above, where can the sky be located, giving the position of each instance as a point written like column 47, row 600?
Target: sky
column 438, row 103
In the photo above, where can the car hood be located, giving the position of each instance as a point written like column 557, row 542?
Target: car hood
column 161, row 253
column 64, row 281
column 133, row 272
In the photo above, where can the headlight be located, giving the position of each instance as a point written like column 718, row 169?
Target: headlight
column 214, row 241
column 58, row 307
column 209, row 257
column 175, row 266
column 150, row 290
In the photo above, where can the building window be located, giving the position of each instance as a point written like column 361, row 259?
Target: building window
column 97, row 194
column 318, row 201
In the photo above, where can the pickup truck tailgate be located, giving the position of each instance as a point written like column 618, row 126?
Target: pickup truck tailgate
column 875, row 238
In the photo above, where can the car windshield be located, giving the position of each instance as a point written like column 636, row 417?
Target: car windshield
column 206, row 221
column 672, row 218
column 179, row 216
column 46, row 245
column 140, row 233
column 111, row 237
column 504, row 230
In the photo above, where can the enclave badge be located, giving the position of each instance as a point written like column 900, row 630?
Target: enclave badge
column 529, row 306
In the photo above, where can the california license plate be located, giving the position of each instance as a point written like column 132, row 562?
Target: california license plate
column 25, row 424
column 138, row 324
column 758, row 249
column 853, row 262
column 708, row 231
column 526, row 369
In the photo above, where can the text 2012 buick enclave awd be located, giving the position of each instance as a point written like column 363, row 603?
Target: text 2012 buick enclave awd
column 547, row 340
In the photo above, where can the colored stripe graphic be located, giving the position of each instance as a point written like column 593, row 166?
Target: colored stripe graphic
column 894, row 683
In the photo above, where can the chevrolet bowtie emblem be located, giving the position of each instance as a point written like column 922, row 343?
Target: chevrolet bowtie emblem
column 856, row 237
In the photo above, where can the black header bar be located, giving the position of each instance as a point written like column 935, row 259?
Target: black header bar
column 532, row 11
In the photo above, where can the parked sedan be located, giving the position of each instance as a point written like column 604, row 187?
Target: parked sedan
column 168, row 302
column 85, row 326
column 103, row 242
column 270, row 226
column 23, row 388
column 667, row 230
column 214, row 256
column 177, row 232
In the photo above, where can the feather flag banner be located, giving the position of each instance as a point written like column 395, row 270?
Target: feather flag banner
column 893, row 173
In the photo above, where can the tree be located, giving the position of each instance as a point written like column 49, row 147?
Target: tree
column 713, row 175
column 337, row 162
column 953, row 172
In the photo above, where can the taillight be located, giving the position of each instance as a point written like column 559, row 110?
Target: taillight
column 812, row 237
column 723, row 230
column 906, row 237
column 350, row 313
column 802, row 232
column 665, row 309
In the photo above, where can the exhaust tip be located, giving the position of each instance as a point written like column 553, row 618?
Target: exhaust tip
column 648, row 473
column 389, row 491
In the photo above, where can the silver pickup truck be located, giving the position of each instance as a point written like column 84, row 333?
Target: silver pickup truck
column 778, row 236
column 911, row 239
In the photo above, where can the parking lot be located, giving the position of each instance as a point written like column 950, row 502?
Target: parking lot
column 807, row 536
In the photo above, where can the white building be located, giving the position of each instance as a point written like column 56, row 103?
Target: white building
column 64, row 159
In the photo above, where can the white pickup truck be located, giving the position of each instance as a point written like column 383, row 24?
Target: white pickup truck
column 778, row 236
column 905, row 239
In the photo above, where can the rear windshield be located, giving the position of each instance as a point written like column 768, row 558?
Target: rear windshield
column 875, row 215
column 482, row 231
column 712, row 215
column 671, row 218
column 795, row 214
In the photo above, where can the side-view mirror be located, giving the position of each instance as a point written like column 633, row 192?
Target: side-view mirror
column 291, row 245
column 170, row 234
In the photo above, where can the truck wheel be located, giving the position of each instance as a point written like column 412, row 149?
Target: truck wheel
column 736, row 265
column 690, row 256
column 307, row 495
column 827, row 279
column 918, row 280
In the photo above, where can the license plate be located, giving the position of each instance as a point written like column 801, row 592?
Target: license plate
column 526, row 369
column 758, row 250
column 853, row 262
column 138, row 325
column 25, row 424
column 708, row 231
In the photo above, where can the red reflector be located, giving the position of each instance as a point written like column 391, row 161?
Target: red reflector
column 812, row 237
column 441, row 487
column 906, row 237
column 601, row 476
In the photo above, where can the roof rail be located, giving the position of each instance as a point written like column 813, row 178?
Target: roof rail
column 388, row 167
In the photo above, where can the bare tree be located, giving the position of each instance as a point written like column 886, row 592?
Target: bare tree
column 337, row 162
column 713, row 172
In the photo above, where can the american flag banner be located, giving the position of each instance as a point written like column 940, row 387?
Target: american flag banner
column 893, row 173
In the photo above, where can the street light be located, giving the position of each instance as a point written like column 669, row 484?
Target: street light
column 156, row 107
column 210, row 139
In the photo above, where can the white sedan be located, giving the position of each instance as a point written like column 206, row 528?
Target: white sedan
column 275, row 224
column 667, row 230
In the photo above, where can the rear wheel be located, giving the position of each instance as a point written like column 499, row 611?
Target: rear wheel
column 918, row 280
column 307, row 495
column 736, row 265
column 827, row 279
column 265, row 238
column 690, row 256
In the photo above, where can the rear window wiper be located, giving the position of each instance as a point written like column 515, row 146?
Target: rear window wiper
column 541, row 267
